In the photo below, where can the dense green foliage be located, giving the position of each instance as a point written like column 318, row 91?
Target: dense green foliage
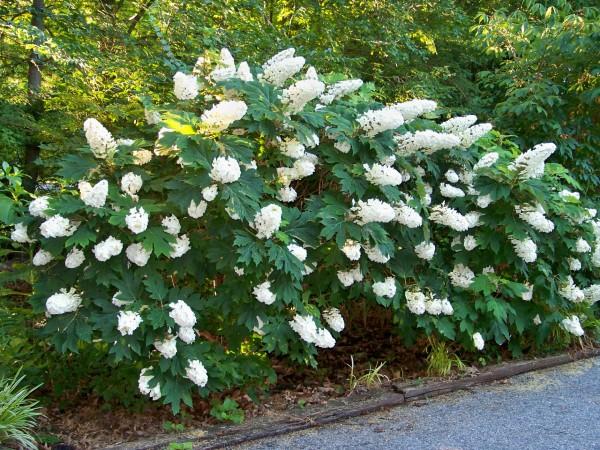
column 544, row 80
column 258, row 271
column 530, row 68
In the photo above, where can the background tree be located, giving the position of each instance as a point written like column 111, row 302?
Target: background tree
column 544, row 79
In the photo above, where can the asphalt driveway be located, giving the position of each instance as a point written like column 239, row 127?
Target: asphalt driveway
column 557, row 408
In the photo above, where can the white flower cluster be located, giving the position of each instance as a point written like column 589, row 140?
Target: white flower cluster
column 57, row 226
column 141, row 157
column 528, row 294
column 483, row 201
column 243, row 72
column 574, row 264
column 487, row 160
column 339, row 90
column 223, row 114
column 531, row 163
column 93, row 196
column 436, row 306
column 300, row 93
column 304, row 167
column 457, row 125
column 581, row 246
column 137, row 254
column 182, row 314
column 101, row 142
column 415, row 302
column 258, row 328
column 535, row 216
column 137, row 220
column 196, row 373
column 478, row 341
column 461, row 276
column 131, row 184
column 263, row 293
column 38, row 207
column 472, row 134
column 444, row 215
column 225, row 68
column 386, row 288
column 348, row 278
column 108, row 248
column 571, row 291
column 449, row 191
column 152, row 117
column 144, row 385
column 186, row 334
column 567, row 195
column 19, row 234
column 171, row 225
column 407, row 216
column 372, row 210
column 298, row 251
column 343, row 146
column 307, row 329
column 287, row 194
column 128, row 322
column 525, row 249
column 334, row 319
column 374, row 254
column 414, row 108
column 180, row 247
column 167, row 347
column 225, row 169
column 596, row 256
column 381, row 175
column 282, row 66
column 573, row 326
column 428, row 141
column 292, row 148
column 74, row 258
column 470, row 243
column 389, row 162
column 352, row 250
column 425, row 250
column 451, row 176
column 42, row 257
column 377, row 121
column 267, row 221
column 125, row 142
column 185, row 86
column 197, row 210
column 592, row 293
column 209, row 193
column 63, row 302
column 418, row 304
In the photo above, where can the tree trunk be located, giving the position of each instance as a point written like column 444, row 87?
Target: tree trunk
column 139, row 16
column 34, row 87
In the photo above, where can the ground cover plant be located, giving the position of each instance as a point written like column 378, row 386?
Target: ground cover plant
column 245, row 215
column 18, row 414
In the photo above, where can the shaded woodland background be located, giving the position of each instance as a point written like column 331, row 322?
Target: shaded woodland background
column 531, row 68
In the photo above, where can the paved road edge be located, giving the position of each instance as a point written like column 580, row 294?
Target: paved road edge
column 223, row 436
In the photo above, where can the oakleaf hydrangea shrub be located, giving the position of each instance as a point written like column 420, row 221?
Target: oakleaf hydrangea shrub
column 263, row 200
